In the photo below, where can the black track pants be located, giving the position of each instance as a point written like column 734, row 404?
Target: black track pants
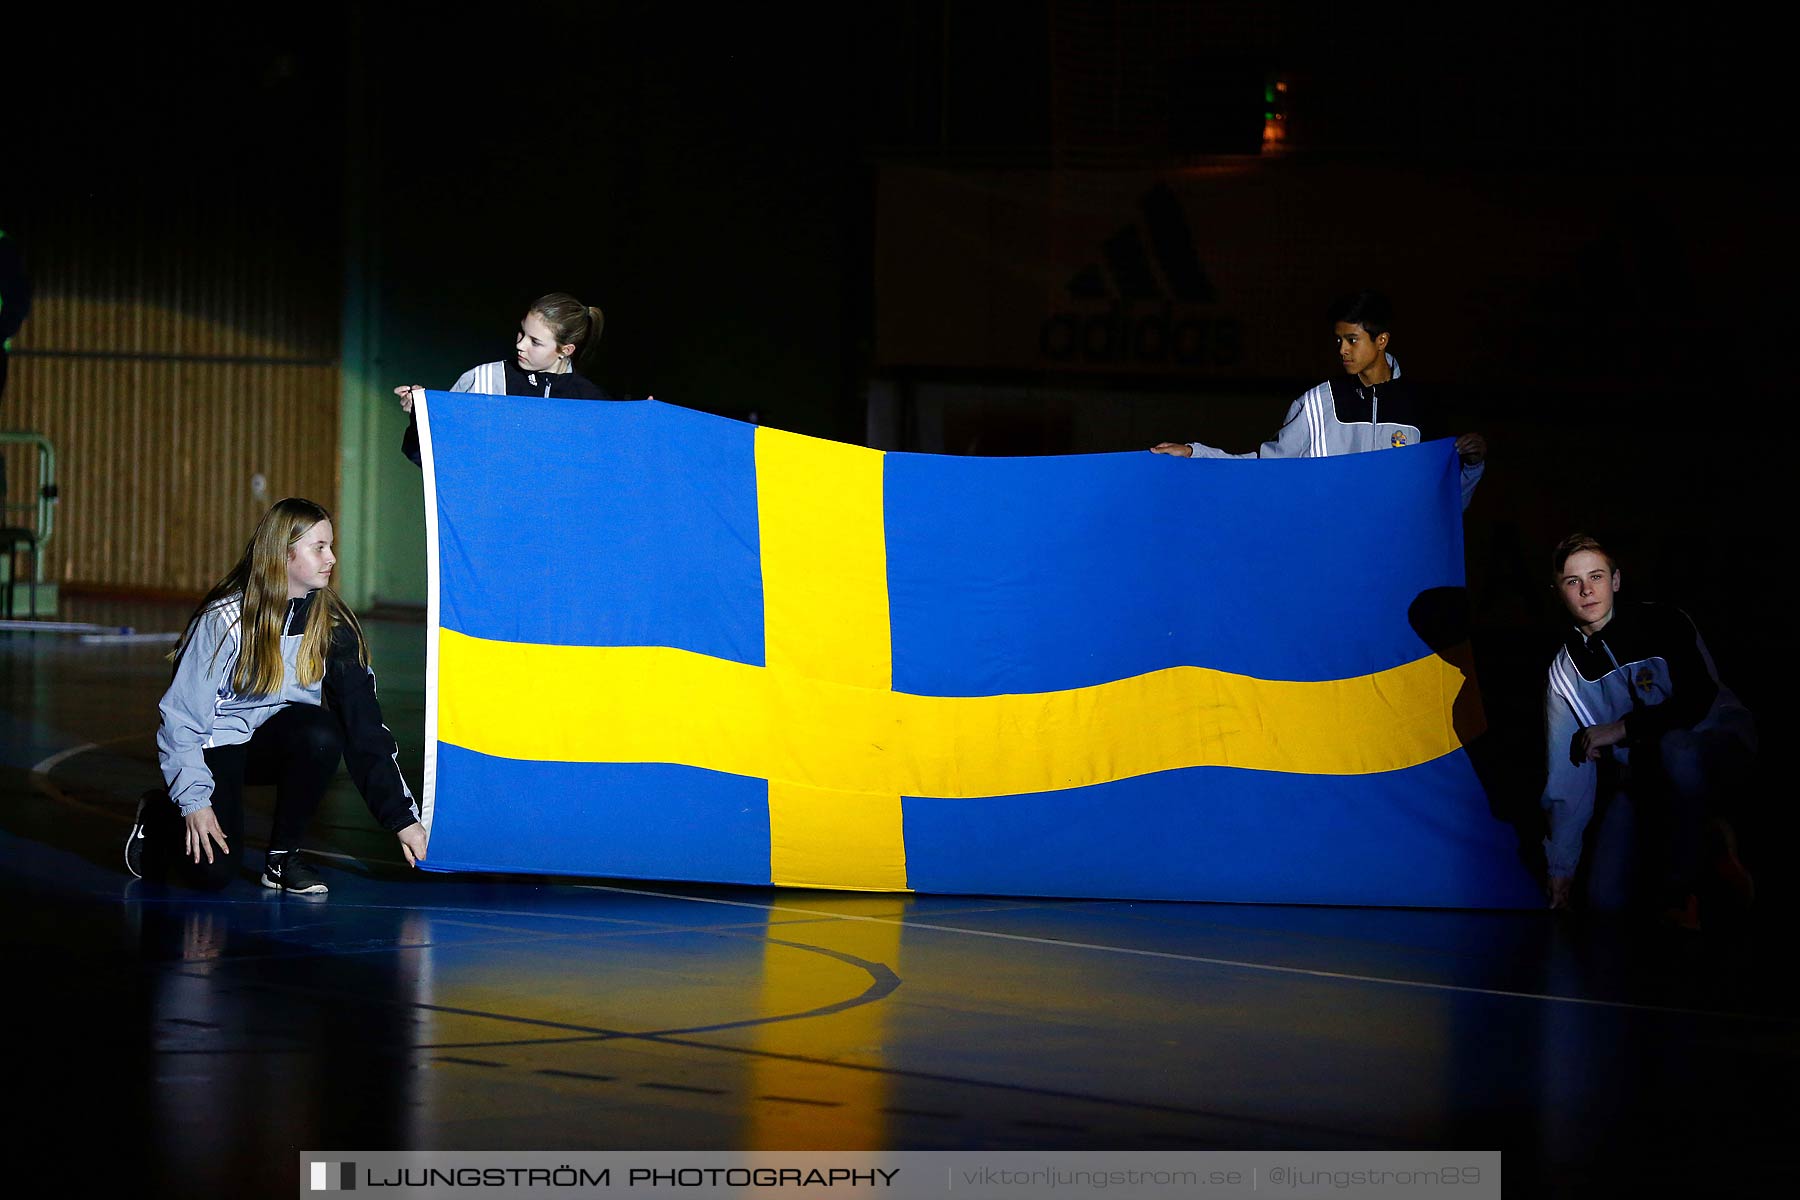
column 298, row 750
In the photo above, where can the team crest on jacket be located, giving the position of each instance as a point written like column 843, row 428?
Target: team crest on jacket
column 1399, row 438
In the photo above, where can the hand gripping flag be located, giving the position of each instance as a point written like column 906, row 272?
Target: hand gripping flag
column 668, row 645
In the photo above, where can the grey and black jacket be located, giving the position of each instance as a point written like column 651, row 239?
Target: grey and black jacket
column 508, row 378
column 1342, row 416
column 1649, row 667
column 200, row 711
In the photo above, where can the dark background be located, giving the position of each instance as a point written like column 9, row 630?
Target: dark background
column 705, row 172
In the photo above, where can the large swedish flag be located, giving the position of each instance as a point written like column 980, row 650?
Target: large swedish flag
column 669, row 645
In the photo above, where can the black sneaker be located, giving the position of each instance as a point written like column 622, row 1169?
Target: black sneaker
column 134, row 843
column 288, row 872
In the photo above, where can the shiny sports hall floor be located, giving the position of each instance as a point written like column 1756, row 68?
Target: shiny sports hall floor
column 179, row 1043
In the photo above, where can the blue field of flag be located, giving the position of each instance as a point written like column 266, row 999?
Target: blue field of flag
column 667, row 645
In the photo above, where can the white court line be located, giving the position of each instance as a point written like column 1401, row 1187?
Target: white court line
column 1061, row 943
column 62, row 756
column 1341, row 976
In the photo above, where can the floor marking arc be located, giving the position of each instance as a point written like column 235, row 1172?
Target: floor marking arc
column 1308, row 972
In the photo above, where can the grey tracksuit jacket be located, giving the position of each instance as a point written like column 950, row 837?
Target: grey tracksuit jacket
column 1343, row 417
column 200, row 711
column 1648, row 667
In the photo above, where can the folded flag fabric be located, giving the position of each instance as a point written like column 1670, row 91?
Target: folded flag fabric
column 677, row 646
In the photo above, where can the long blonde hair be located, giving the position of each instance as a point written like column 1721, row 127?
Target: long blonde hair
column 259, row 582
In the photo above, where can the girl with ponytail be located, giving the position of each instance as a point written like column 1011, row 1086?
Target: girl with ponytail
column 272, row 685
column 557, row 333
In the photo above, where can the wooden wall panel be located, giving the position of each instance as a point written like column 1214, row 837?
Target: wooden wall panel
column 155, row 459
column 171, row 356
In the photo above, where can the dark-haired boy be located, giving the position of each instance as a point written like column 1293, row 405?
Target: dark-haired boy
column 1369, row 407
column 1633, row 687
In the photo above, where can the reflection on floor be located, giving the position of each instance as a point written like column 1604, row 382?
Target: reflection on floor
column 194, row 1044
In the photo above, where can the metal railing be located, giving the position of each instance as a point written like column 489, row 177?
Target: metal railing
column 41, row 508
column 43, row 502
